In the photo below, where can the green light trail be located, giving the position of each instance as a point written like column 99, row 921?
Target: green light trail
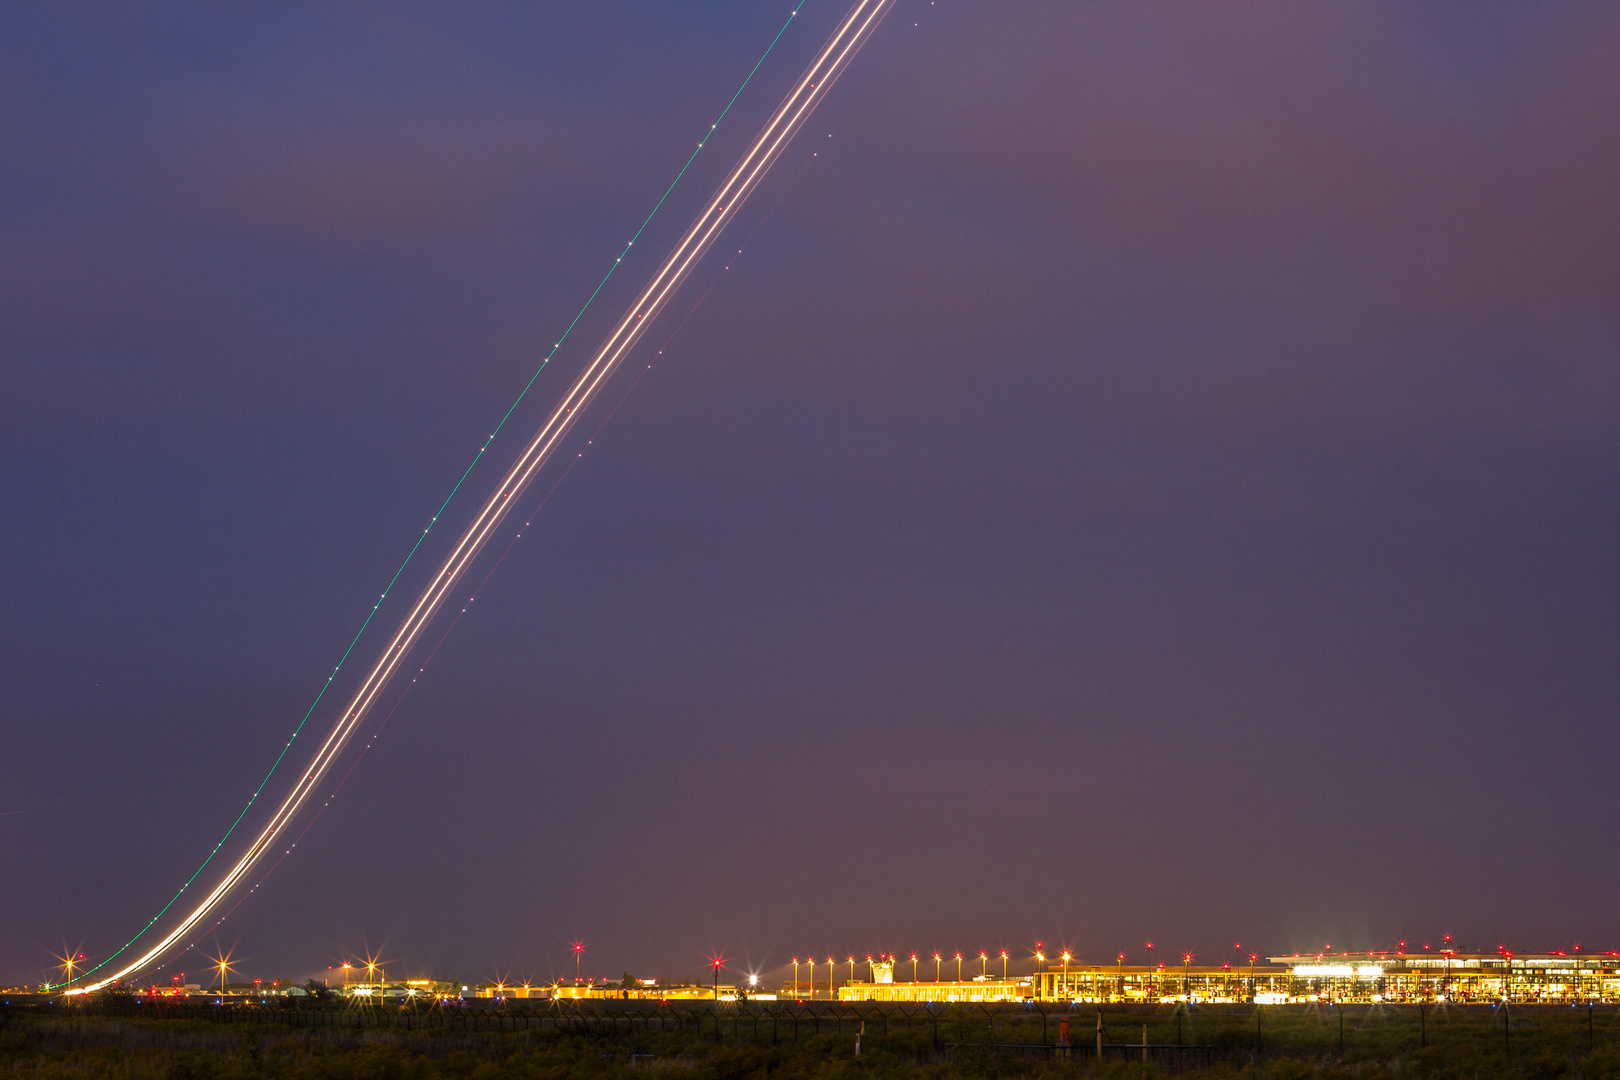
column 466, row 473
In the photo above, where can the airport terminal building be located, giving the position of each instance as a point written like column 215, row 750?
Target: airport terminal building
column 1533, row 978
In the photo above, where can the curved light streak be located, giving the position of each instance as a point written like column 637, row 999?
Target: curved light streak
column 767, row 147
column 410, row 555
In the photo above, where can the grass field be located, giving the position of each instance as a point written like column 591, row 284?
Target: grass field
column 1273, row 1043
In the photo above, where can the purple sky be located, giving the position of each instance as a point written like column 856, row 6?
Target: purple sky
column 1154, row 475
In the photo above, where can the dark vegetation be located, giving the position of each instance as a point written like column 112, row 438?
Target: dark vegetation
column 119, row 1040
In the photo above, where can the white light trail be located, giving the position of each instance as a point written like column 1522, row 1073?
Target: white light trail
column 778, row 132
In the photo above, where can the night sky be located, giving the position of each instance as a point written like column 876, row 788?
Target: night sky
column 1152, row 473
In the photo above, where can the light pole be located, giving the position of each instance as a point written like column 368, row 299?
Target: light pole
column 984, row 965
column 958, row 967
column 222, row 963
column 1003, row 965
column 795, row 976
column 1066, row 990
column 579, row 948
column 830, row 992
column 851, row 970
column 868, row 967
column 1186, row 976
column 936, row 967
column 914, row 968
column 1121, row 976
column 716, row 963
